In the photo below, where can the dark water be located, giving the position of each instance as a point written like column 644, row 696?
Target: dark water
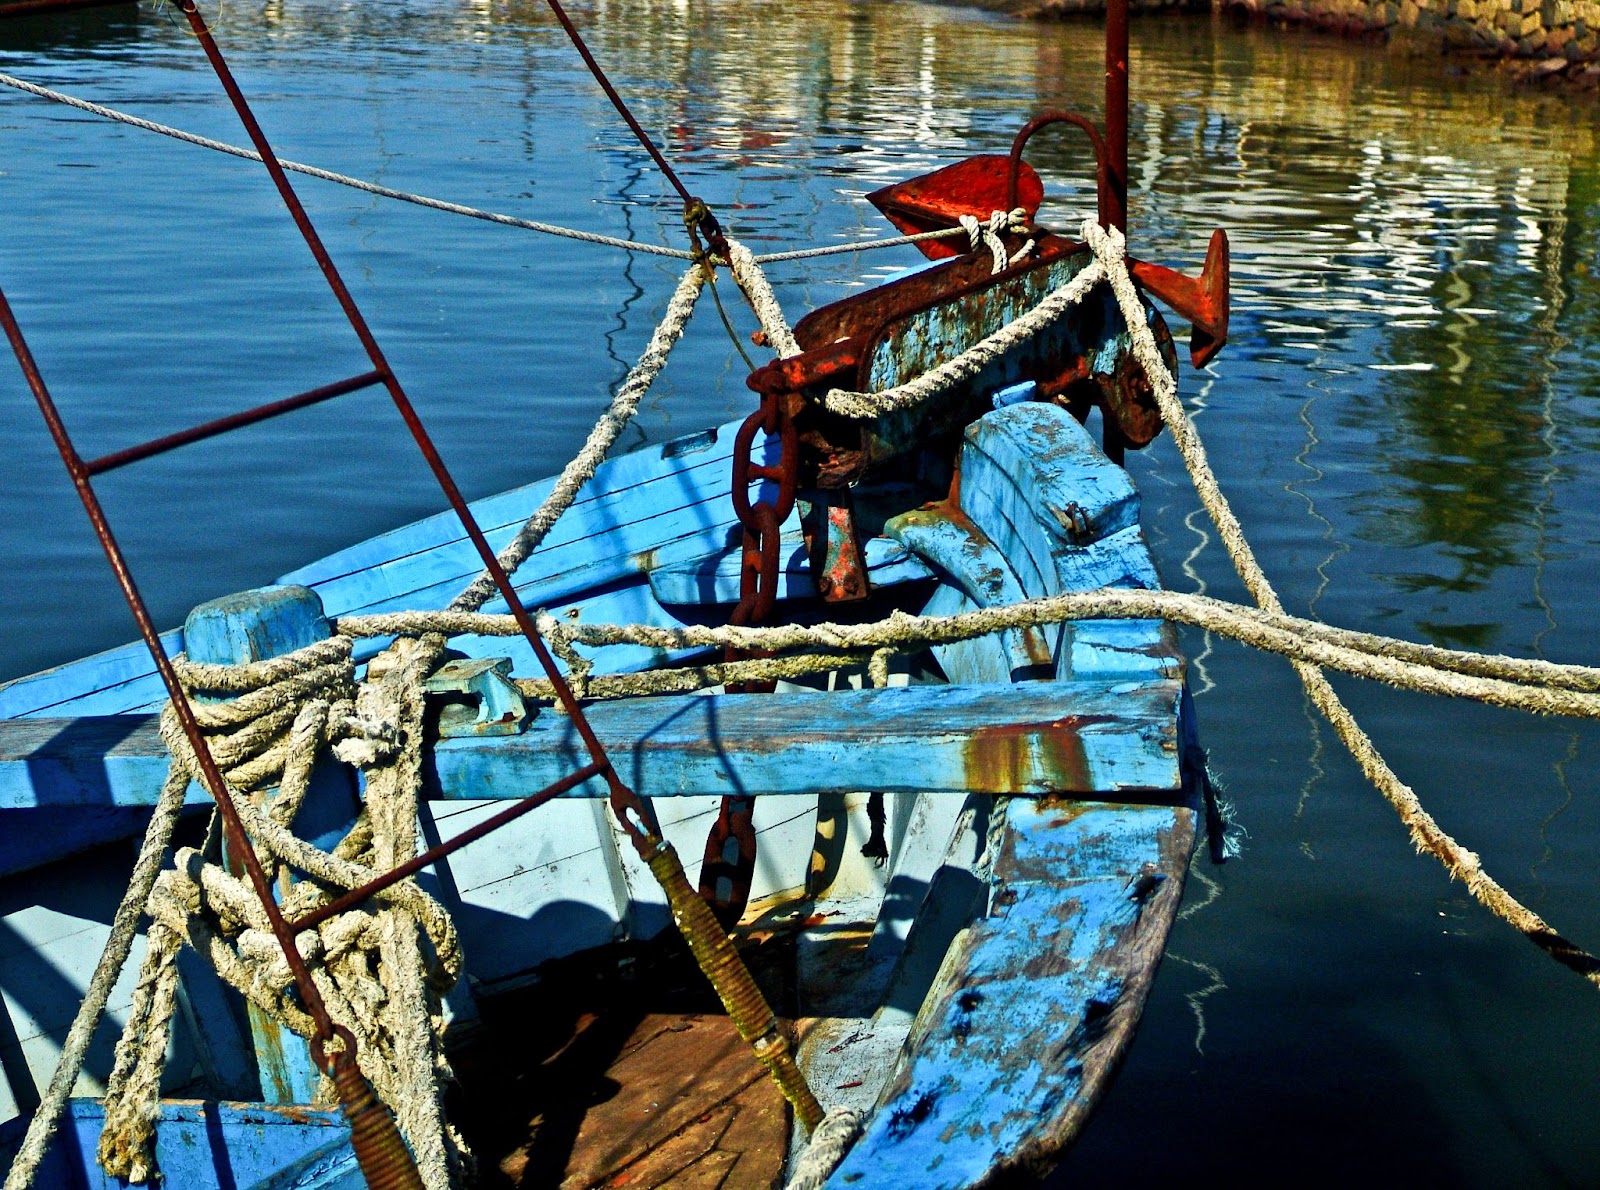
column 1405, row 419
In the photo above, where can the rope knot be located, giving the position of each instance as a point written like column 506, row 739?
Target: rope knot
column 367, row 741
column 1108, row 244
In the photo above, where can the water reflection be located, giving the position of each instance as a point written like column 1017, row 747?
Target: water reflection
column 1405, row 417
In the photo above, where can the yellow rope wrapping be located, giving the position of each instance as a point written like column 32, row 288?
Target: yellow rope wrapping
column 714, row 951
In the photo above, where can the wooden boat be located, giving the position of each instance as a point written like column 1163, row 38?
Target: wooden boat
column 963, row 879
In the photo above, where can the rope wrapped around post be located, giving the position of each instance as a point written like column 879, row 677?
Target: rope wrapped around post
column 376, row 982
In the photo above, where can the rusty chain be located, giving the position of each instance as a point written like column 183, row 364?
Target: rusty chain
column 730, row 856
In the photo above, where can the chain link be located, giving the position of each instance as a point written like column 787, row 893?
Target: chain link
column 730, row 855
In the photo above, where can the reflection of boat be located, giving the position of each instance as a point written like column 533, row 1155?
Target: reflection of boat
column 972, row 940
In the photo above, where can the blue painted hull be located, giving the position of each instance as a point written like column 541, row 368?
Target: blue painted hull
column 1042, row 811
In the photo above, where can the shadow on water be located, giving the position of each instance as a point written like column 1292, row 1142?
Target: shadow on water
column 93, row 29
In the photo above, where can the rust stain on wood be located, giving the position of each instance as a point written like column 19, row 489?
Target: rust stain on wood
column 1022, row 757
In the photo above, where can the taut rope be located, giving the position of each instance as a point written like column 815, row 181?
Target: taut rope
column 439, row 204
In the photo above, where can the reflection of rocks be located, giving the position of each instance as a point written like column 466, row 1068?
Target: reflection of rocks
column 1550, row 41
column 1553, row 33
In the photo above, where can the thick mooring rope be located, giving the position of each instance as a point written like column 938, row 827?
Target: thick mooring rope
column 828, row 1146
column 1426, row 834
column 1541, row 687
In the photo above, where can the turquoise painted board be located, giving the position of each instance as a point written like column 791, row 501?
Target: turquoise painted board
column 1038, row 738
column 202, row 1145
column 1039, row 996
column 1012, row 1051
column 641, row 510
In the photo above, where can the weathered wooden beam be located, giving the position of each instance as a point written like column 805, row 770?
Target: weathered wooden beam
column 1032, row 738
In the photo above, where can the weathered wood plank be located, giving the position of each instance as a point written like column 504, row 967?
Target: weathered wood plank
column 1030, row 739
column 695, row 465
column 1043, row 468
column 108, row 683
column 684, row 1082
column 1011, row 1054
column 640, row 510
column 1035, row 1001
column 644, row 509
column 1054, row 737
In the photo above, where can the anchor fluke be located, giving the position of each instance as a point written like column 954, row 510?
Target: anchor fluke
column 977, row 186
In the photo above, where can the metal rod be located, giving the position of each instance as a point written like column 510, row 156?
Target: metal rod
column 121, row 458
column 616, row 100
column 1115, row 198
column 622, row 798
column 210, row 775
column 396, row 874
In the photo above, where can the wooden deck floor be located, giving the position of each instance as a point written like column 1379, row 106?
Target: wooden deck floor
column 620, row 1069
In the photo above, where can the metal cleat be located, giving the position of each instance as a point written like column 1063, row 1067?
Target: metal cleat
column 478, row 697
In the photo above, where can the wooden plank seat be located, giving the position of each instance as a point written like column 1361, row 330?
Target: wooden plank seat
column 1115, row 738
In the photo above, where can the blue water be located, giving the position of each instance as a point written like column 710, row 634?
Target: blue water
column 1405, row 420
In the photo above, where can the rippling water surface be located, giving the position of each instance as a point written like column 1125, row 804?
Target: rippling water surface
column 1405, row 419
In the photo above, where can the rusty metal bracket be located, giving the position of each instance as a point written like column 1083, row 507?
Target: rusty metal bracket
column 833, row 547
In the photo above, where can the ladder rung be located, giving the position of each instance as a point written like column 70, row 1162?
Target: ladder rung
column 22, row 8
column 121, row 458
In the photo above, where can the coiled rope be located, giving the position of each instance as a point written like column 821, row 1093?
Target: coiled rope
column 369, row 966
column 1541, row 687
column 371, row 969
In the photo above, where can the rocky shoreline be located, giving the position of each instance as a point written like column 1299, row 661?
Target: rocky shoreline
column 1546, row 43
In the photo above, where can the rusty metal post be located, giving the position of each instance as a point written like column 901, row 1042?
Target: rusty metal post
column 1114, row 199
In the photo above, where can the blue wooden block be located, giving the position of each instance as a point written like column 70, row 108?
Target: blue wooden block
column 205, row 1145
column 257, row 626
column 971, row 561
